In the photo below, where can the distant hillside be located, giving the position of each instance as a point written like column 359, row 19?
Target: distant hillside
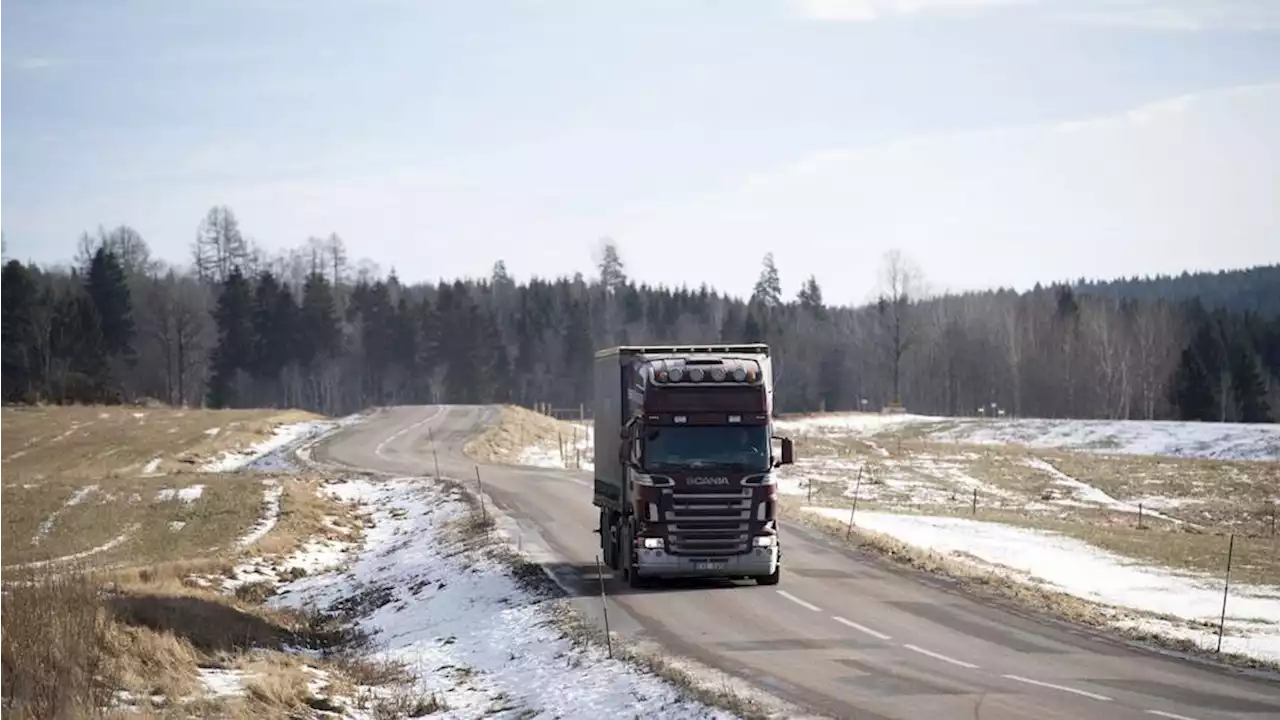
column 1255, row 289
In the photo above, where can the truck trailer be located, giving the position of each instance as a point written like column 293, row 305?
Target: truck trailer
column 684, row 462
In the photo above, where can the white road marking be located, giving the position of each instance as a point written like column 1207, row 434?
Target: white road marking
column 382, row 445
column 1063, row 688
column 1169, row 715
column 798, row 601
column 940, row 656
column 861, row 628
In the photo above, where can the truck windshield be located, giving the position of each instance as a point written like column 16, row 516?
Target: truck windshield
column 739, row 447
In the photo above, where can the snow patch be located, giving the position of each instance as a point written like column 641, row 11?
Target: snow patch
column 176, row 525
column 151, row 467
column 223, row 683
column 213, row 431
column 110, row 544
column 187, row 494
column 46, row 526
column 282, row 436
column 850, row 423
column 436, row 608
column 1223, row 441
column 1084, row 494
column 271, row 499
column 1082, row 570
column 577, row 454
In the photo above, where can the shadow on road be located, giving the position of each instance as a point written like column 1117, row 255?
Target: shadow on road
column 581, row 580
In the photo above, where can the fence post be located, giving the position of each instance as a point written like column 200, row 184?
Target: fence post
column 975, row 501
column 604, row 604
column 484, row 512
column 1226, row 585
column 1139, row 516
column 857, row 487
column 434, row 456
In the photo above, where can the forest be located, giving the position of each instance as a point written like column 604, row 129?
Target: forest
column 235, row 326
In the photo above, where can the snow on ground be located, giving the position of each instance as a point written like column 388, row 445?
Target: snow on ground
column 223, row 683
column 1225, row 441
column 108, row 545
column 271, row 499
column 213, row 431
column 922, row 480
column 46, row 525
column 1083, row 494
column 853, row 424
column 471, row 633
column 282, row 437
column 151, row 467
column 577, row 454
column 186, row 494
column 1082, row 570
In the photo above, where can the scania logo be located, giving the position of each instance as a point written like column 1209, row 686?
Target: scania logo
column 708, row 481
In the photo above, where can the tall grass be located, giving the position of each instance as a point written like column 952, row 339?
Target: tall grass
column 54, row 627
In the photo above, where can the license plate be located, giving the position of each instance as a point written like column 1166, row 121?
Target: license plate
column 709, row 566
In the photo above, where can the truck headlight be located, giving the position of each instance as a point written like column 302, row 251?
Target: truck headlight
column 653, row 543
column 764, row 541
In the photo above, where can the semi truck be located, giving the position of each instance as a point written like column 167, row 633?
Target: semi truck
column 684, row 462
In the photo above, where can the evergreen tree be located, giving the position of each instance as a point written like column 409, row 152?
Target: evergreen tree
column 18, row 335
column 810, row 297
column 320, row 337
column 108, row 290
column 234, row 352
column 768, row 290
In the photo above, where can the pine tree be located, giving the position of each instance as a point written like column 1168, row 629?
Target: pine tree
column 109, row 291
column 810, row 298
column 234, row 353
column 17, row 333
column 320, row 337
column 768, row 290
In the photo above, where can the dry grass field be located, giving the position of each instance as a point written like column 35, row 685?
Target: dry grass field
column 108, row 524
column 1189, row 506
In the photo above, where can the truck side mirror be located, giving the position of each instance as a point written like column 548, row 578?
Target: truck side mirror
column 788, row 452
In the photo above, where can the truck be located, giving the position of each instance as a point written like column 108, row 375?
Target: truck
column 684, row 462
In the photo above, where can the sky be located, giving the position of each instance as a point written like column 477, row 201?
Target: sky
column 993, row 142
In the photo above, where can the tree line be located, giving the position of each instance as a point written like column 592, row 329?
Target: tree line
column 237, row 327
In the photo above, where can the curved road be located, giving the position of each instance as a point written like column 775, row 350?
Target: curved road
column 845, row 634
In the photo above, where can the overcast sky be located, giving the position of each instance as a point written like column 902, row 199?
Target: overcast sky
column 997, row 142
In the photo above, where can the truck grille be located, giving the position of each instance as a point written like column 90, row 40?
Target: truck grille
column 707, row 521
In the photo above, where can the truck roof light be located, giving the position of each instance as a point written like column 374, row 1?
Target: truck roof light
column 661, row 375
column 681, row 418
column 676, row 374
column 739, row 374
column 717, row 374
column 751, row 375
column 735, row 418
column 696, row 375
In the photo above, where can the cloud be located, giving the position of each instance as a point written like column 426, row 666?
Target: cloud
column 37, row 63
column 1160, row 14
column 867, row 10
column 1188, row 182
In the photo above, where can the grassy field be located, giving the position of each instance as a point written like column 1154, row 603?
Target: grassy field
column 108, row 525
column 1174, row 512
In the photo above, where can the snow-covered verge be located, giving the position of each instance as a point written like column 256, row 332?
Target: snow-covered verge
column 269, row 454
column 1222, row 441
column 477, row 641
column 850, row 424
column 574, row 451
column 1190, row 604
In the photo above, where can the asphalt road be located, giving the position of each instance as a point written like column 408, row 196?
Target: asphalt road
column 845, row 634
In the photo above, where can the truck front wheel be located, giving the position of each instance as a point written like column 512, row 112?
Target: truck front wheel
column 771, row 579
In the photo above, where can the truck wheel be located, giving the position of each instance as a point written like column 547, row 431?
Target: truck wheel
column 770, row 579
column 634, row 581
column 608, row 542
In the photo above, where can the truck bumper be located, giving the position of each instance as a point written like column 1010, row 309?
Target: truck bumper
column 660, row 564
